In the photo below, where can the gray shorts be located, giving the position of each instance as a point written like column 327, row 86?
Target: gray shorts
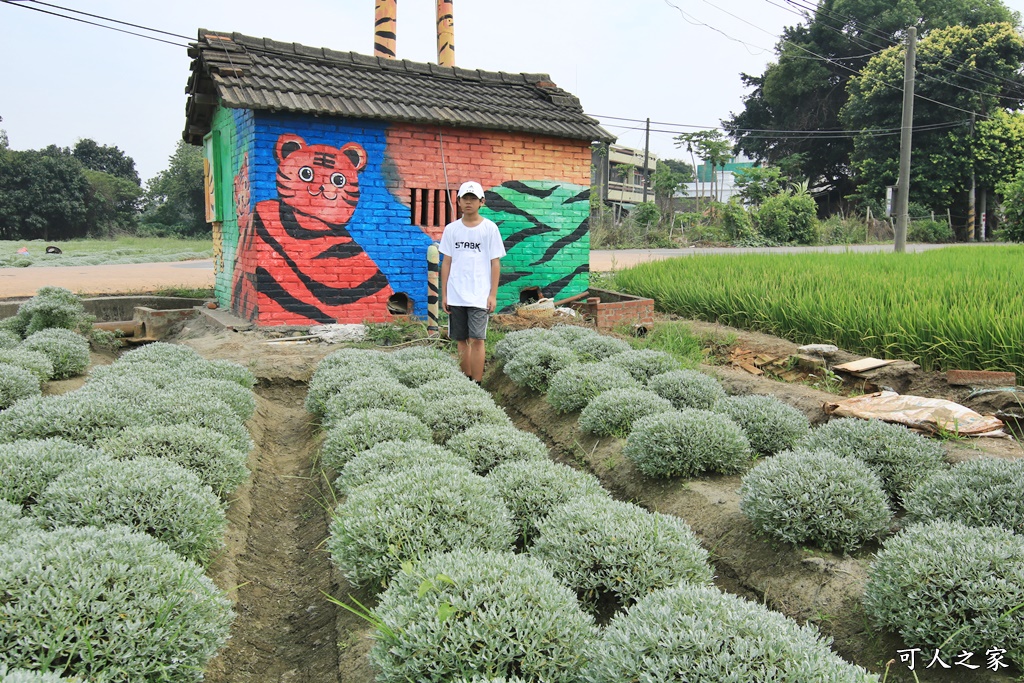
column 467, row 322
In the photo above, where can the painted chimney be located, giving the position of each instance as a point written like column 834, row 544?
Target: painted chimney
column 445, row 34
column 384, row 29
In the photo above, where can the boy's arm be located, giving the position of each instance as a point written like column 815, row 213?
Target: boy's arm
column 492, row 297
column 446, row 267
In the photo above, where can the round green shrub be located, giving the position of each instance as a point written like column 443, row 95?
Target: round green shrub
column 365, row 429
column 712, row 636
column 76, row 416
column 414, row 372
column 574, row 334
column 687, row 442
column 643, row 364
column 33, row 361
column 481, row 616
column 531, row 489
column 458, row 413
column 438, row 391
column 108, row 605
column 372, row 393
column 26, row 676
column 8, row 339
column 242, row 401
column 572, row 388
column 511, row 342
column 687, row 389
column 488, row 445
column 409, row 514
column 50, row 307
column 17, row 383
column 816, row 497
column 598, row 546
column 949, row 586
column 534, row 364
column 770, row 425
column 162, row 353
column 896, row 454
column 13, row 522
column 68, row 351
column 173, row 408
column 393, row 456
column 598, row 347
column 333, row 379
column 148, row 494
column 210, row 455
column 353, row 358
column 613, row 412
column 27, row 467
column 983, row 492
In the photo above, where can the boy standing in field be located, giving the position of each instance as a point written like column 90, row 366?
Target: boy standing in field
column 472, row 248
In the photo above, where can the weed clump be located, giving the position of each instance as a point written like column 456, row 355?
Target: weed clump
column 482, row 616
column 572, row 388
column 687, row 389
column 951, row 587
column 714, row 637
column 983, row 492
column 687, row 442
column 816, row 497
column 613, row 412
column 488, row 445
column 770, row 425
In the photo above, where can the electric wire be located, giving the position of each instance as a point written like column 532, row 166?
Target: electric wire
column 14, row 3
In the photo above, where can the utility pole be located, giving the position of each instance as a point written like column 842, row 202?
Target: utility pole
column 647, row 147
column 903, row 186
column 971, row 214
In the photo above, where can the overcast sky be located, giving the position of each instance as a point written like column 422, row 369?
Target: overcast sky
column 679, row 63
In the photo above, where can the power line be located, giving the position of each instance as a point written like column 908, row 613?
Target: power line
column 20, row 3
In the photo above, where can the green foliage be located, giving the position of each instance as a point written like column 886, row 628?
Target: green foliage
column 415, row 372
column 175, row 202
column 43, row 195
column 110, row 251
column 1013, row 207
column 816, row 497
column 50, row 307
column 112, row 204
column 371, row 393
column 534, row 364
column 788, row 217
column 674, row 338
column 390, row 457
column 150, row 495
column 16, row 383
column 409, row 514
column 687, row 389
column 36, row 363
column 329, row 380
column 613, row 412
column 643, row 364
column 758, row 183
column 930, row 232
column 488, row 445
column 837, row 229
column 365, row 429
column 713, row 637
column 897, row 455
column 458, row 413
column 28, row 466
column 770, row 425
column 491, row 616
column 983, row 492
column 68, row 351
column 511, row 342
column 8, row 339
column 532, row 489
column 108, row 605
column 947, row 586
column 211, row 456
column 598, row 547
column 13, row 523
column 687, row 442
column 737, row 222
column 572, row 388
column 647, row 214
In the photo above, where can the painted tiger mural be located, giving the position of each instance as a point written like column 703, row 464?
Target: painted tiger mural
column 308, row 266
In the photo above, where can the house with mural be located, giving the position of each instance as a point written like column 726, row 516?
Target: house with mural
column 330, row 174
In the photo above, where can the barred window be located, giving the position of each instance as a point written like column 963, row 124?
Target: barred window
column 432, row 208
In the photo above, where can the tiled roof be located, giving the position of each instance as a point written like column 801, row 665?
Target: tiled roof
column 242, row 72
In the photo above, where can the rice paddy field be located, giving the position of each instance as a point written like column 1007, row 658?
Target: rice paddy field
column 955, row 308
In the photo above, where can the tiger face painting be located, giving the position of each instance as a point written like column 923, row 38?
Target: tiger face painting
column 309, row 268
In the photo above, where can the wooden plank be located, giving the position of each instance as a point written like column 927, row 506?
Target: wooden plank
column 862, row 365
column 752, row 369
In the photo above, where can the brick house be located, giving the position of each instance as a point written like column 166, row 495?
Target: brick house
column 329, row 174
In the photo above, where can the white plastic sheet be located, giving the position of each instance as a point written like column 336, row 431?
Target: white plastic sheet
column 931, row 415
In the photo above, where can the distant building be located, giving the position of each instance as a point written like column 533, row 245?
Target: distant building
column 619, row 173
column 718, row 183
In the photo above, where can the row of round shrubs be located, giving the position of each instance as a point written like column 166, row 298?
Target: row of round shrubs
column 113, row 500
column 434, row 518
column 52, row 353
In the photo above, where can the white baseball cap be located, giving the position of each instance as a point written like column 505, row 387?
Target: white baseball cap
column 471, row 187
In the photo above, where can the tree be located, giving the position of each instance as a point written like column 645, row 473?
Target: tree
column 42, row 196
column 950, row 64
column 113, row 204
column 4, row 144
column 667, row 182
column 712, row 147
column 106, row 159
column 805, row 89
column 757, row 183
column 175, row 202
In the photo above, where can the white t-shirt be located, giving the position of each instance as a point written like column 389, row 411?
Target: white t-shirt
column 471, row 251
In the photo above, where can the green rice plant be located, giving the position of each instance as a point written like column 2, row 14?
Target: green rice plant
column 27, row 467
column 770, row 425
column 613, row 412
column 365, row 429
column 602, row 547
column 816, row 497
column 533, row 488
column 969, row 319
column 675, row 339
column 68, row 351
column 983, row 492
column 16, row 383
column 687, row 442
column 481, row 616
column 390, row 457
column 107, row 606
column 713, row 637
column 687, row 389
column 572, row 388
column 950, row 587
column 35, row 362
column 534, row 364
column 488, row 445
column 208, row 454
column 899, row 456
column 409, row 514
